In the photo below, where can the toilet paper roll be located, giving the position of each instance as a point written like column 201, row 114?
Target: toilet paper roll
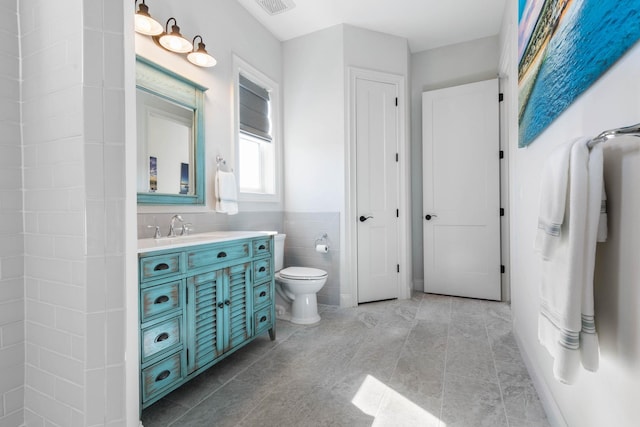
column 323, row 249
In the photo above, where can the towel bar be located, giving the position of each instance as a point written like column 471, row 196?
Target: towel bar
column 633, row 130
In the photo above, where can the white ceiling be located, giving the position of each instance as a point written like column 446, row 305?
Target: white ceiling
column 426, row 24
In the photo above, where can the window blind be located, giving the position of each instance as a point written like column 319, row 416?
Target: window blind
column 254, row 110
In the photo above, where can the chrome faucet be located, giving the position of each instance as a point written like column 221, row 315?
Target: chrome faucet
column 172, row 226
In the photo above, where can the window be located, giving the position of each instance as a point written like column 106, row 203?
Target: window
column 257, row 135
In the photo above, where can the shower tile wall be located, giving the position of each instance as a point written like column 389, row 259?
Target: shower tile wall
column 302, row 229
column 11, row 241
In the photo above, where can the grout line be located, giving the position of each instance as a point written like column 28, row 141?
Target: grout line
column 444, row 371
column 495, row 367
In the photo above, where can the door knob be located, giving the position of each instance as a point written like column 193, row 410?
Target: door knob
column 429, row 216
column 364, row 218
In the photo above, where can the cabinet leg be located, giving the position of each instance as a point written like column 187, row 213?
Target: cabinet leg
column 272, row 334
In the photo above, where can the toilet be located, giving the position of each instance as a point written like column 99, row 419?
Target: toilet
column 298, row 285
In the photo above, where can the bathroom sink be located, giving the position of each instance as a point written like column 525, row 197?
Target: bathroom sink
column 151, row 244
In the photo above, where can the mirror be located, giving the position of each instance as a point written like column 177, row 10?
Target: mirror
column 170, row 136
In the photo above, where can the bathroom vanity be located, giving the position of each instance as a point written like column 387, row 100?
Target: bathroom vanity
column 202, row 297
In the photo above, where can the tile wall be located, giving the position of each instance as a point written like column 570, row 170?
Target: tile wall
column 11, row 242
column 302, row 230
column 73, row 145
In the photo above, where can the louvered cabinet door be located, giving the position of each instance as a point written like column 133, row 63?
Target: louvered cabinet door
column 205, row 298
column 239, row 320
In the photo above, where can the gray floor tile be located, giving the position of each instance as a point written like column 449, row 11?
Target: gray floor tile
column 519, row 395
column 431, row 360
column 470, row 403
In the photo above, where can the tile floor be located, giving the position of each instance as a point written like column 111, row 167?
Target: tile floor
column 429, row 361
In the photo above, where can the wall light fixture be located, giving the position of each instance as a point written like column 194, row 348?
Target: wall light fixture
column 201, row 57
column 145, row 24
column 174, row 41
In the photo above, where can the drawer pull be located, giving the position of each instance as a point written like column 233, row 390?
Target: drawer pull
column 263, row 319
column 262, row 269
column 222, row 255
column 227, row 302
column 162, row 337
column 161, row 299
column 163, row 375
column 160, row 267
column 220, row 305
column 263, row 294
column 262, row 247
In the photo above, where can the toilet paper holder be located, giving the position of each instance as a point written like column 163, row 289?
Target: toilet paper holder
column 322, row 239
column 321, row 244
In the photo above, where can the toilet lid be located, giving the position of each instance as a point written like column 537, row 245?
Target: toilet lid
column 302, row 273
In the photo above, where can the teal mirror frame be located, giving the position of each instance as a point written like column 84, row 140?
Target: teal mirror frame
column 157, row 80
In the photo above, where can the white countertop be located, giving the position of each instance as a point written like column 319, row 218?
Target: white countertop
column 151, row 245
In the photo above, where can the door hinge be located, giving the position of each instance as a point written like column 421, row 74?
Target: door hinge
column 398, row 268
column 396, row 101
column 187, row 356
column 397, row 157
column 397, row 213
column 501, row 211
column 501, row 154
column 500, row 97
column 186, row 289
column 502, row 269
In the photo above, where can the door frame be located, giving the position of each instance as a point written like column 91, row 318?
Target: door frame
column 349, row 274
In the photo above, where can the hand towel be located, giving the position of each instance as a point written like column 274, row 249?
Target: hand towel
column 553, row 194
column 566, row 325
column 226, row 193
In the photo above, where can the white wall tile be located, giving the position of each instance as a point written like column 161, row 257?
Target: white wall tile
column 59, row 293
column 12, row 334
column 62, row 366
column 39, row 312
column 50, row 338
column 69, row 394
column 115, row 332
column 71, row 321
column 95, row 341
column 43, row 381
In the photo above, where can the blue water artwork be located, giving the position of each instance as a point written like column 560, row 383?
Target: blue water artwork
column 564, row 46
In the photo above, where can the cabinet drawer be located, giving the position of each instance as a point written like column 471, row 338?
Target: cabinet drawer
column 261, row 269
column 160, row 299
column 261, row 294
column 207, row 257
column 262, row 319
column 261, row 247
column 160, row 337
column 154, row 267
column 161, row 375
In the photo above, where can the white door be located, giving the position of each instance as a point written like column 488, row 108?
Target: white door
column 461, row 190
column 377, row 189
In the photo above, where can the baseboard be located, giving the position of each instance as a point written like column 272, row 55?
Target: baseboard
column 551, row 408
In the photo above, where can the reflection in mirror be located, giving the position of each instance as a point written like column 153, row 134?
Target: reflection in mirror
column 170, row 134
column 165, row 151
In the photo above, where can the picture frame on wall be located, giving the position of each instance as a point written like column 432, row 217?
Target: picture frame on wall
column 564, row 46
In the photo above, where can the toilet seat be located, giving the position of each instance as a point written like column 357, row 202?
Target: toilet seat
column 302, row 273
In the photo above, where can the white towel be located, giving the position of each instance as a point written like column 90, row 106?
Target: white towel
column 226, row 193
column 566, row 324
column 553, row 197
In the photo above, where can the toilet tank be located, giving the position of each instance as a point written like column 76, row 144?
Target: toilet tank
column 278, row 240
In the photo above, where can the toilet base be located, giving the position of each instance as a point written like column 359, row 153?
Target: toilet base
column 304, row 310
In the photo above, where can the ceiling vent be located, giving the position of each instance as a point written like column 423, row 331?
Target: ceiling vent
column 274, row 7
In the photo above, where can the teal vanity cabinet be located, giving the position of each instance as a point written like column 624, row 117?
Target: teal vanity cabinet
column 198, row 304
